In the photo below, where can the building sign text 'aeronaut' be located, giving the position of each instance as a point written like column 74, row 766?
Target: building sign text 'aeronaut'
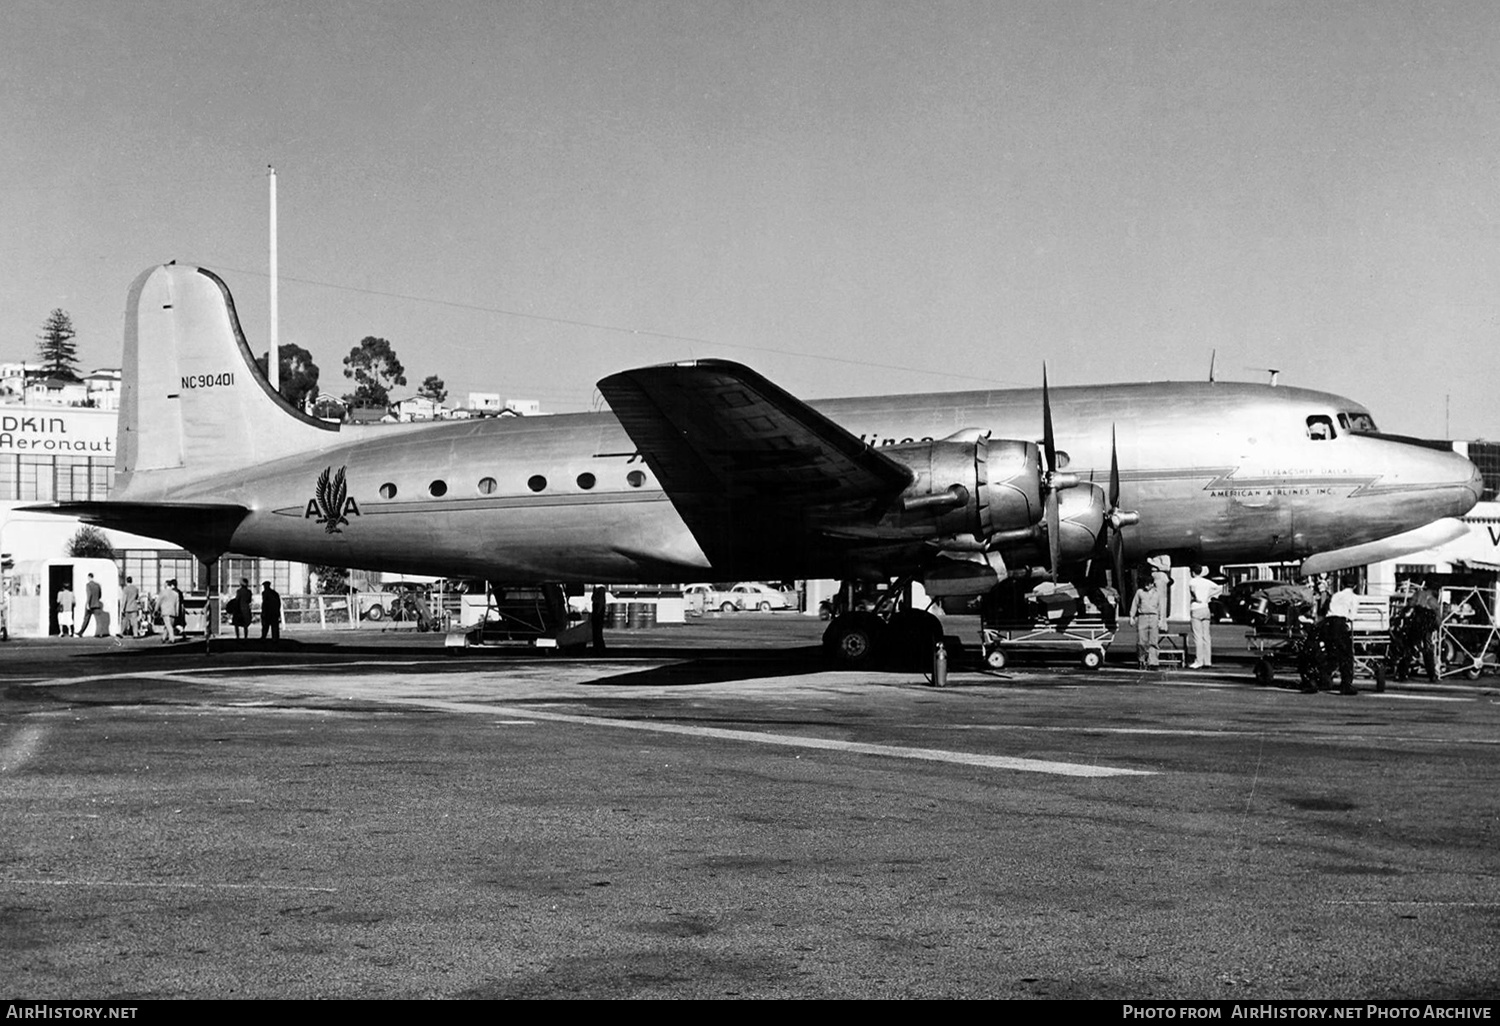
column 77, row 431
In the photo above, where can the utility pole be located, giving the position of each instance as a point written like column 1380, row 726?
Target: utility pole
column 273, row 357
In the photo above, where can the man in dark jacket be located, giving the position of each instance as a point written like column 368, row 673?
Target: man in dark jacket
column 93, row 605
column 270, row 612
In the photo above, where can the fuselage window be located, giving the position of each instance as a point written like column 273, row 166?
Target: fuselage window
column 487, row 485
column 537, row 482
column 1320, row 427
column 635, row 478
column 387, row 491
column 438, row 488
column 585, row 480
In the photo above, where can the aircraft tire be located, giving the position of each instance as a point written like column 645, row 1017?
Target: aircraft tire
column 855, row 640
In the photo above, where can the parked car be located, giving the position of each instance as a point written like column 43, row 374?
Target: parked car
column 706, row 598
column 752, row 595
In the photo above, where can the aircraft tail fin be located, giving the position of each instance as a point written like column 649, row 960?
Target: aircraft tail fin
column 193, row 402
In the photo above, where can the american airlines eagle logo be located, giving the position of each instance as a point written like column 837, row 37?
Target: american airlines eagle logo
column 331, row 504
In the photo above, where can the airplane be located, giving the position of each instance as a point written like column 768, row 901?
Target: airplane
column 706, row 470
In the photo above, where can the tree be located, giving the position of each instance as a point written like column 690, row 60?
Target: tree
column 299, row 375
column 375, row 370
column 55, row 346
column 332, row 580
column 434, row 389
column 90, row 543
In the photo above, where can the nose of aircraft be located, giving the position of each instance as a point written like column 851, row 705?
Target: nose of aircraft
column 1458, row 480
column 1475, row 484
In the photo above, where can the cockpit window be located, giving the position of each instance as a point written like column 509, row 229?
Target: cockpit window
column 1358, row 423
column 1320, row 427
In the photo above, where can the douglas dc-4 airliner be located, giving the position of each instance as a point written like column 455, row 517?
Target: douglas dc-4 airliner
column 707, row 471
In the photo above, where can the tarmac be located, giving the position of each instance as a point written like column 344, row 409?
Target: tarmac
column 708, row 811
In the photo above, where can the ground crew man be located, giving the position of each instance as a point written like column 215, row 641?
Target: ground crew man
column 1202, row 591
column 1426, row 614
column 1338, row 634
column 1145, row 617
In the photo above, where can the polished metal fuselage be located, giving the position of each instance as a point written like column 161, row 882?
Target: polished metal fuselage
column 1219, row 472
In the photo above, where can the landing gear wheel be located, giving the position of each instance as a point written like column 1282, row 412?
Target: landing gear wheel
column 1264, row 675
column 854, row 639
column 995, row 658
column 1092, row 659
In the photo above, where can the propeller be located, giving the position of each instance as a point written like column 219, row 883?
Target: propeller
column 1053, row 481
column 1115, row 518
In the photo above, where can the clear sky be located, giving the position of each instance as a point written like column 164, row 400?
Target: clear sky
column 852, row 196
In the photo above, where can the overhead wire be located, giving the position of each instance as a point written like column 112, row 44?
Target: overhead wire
column 640, row 332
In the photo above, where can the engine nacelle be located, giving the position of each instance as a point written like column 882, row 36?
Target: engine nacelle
column 1081, row 513
column 962, row 489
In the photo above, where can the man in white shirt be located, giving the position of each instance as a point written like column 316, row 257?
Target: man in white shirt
column 1338, row 632
column 1201, row 590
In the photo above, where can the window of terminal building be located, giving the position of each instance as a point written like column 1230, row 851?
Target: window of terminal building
column 60, row 478
column 152, row 568
column 1486, row 456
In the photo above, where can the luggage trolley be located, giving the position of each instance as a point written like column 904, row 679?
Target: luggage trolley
column 1051, row 621
column 1285, row 636
column 1086, row 640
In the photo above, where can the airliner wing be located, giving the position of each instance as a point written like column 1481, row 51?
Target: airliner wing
column 752, row 470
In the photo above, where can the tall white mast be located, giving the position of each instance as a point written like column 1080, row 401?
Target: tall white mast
column 273, row 357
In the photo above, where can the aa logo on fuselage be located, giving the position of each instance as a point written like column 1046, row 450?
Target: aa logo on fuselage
column 332, row 504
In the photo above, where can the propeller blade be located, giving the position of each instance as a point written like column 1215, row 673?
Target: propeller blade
column 1114, row 472
column 1049, row 444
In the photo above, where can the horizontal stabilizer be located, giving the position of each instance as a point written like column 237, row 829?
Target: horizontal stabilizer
column 203, row 528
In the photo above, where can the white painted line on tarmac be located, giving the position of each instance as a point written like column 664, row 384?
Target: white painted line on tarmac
column 177, row 885
column 1067, row 769
column 1409, row 697
column 1226, row 734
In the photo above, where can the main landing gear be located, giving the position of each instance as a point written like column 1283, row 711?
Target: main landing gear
column 889, row 633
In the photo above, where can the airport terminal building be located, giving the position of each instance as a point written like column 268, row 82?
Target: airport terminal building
column 55, row 453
